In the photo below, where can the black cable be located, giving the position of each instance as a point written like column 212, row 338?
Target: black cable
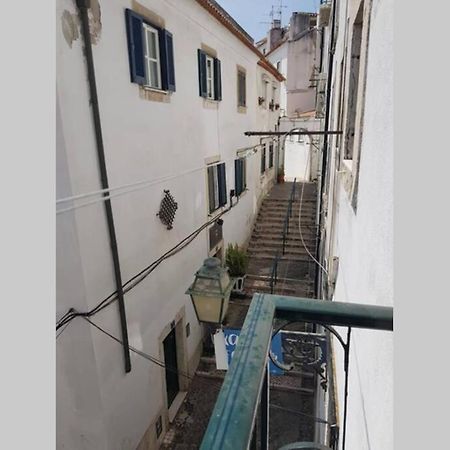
column 71, row 314
column 179, row 372
column 293, row 411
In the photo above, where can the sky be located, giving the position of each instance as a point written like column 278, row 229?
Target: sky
column 249, row 13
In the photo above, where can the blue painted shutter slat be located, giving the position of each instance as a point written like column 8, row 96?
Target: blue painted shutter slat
column 202, row 73
column 239, row 182
column 167, row 60
column 222, row 184
column 135, row 46
column 217, row 80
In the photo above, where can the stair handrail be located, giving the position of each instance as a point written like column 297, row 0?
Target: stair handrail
column 288, row 215
column 274, row 272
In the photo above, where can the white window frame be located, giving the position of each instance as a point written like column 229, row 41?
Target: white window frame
column 148, row 60
column 210, row 78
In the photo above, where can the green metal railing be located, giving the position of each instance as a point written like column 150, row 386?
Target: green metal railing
column 232, row 421
column 288, row 215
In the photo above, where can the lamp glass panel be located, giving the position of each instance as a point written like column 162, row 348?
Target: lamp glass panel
column 208, row 308
column 207, row 285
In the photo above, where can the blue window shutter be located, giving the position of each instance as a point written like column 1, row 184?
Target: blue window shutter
column 217, row 80
column 238, row 176
column 222, row 184
column 135, row 46
column 202, row 73
column 167, row 60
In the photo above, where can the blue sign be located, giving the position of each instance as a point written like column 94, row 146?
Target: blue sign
column 231, row 339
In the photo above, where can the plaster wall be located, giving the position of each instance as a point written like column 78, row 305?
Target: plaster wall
column 281, row 54
column 166, row 143
column 301, row 57
column 362, row 237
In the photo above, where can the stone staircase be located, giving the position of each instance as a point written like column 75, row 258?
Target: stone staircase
column 296, row 270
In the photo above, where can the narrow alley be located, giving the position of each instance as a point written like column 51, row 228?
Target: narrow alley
column 290, row 415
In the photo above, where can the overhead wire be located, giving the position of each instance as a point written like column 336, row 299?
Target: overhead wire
column 172, row 369
column 140, row 276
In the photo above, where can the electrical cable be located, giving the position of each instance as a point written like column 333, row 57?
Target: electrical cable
column 141, row 275
column 161, row 364
column 299, row 413
column 300, row 219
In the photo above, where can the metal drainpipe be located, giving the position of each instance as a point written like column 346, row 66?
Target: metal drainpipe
column 83, row 6
column 318, row 278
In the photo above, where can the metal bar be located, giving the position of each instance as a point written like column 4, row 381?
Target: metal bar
column 83, row 9
column 265, row 411
column 231, row 423
column 346, row 362
column 293, row 133
column 232, row 420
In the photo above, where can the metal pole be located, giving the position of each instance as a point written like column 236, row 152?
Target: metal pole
column 294, row 133
column 83, row 7
column 346, row 361
column 265, row 411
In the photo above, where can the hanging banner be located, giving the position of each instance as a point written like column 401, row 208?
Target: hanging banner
column 231, row 337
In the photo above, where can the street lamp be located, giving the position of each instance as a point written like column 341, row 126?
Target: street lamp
column 210, row 291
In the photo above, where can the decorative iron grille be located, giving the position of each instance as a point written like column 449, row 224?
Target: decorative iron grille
column 167, row 209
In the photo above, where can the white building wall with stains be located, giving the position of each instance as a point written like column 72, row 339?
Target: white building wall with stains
column 359, row 225
column 168, row 144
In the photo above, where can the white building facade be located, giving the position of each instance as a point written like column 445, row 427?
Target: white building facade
column 357, row 207
column 172, row 119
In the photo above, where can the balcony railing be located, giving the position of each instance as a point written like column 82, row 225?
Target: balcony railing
column 247, row 381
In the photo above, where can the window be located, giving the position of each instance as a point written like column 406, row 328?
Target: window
column 265, row 87
column 271, row 155
column 241, row 88
column 209, row 77
column 217, row 187
column 240, row 175
column 150, row 53
column 278, row 65
column 263, row 159
column 152, row 58
column 209, row 74
column 353, row 83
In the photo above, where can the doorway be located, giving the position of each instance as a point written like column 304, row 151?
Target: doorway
column 171, row 366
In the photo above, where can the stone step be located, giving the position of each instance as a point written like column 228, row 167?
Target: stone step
column 290, row 251
column 286, row 257
column 280, row 289
column 265, row 280
column 283, row 213
column 292, row 238
column 275, row 247
column 308, row 231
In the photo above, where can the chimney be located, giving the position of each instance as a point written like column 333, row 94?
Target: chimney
column 299, row 22
column 275, row 34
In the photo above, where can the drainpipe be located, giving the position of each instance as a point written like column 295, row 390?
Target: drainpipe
column 83, row 6
column 318, row 277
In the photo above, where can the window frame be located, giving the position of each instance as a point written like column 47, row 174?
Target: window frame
column 271, row 153
column 149, row 29
column 243, row 180
column 241, row 88
column 215, row 189
column 210, row 79
column 263, row 167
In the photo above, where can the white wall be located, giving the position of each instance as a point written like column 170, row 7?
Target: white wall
column 98, row 406
column 281, row 54
column 301, row 57
column 300, row 160
column 362, row 238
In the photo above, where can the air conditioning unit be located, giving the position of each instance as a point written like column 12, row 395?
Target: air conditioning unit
column 324, row 15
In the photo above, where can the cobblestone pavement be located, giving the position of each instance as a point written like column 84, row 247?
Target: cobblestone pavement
column 192, row 420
